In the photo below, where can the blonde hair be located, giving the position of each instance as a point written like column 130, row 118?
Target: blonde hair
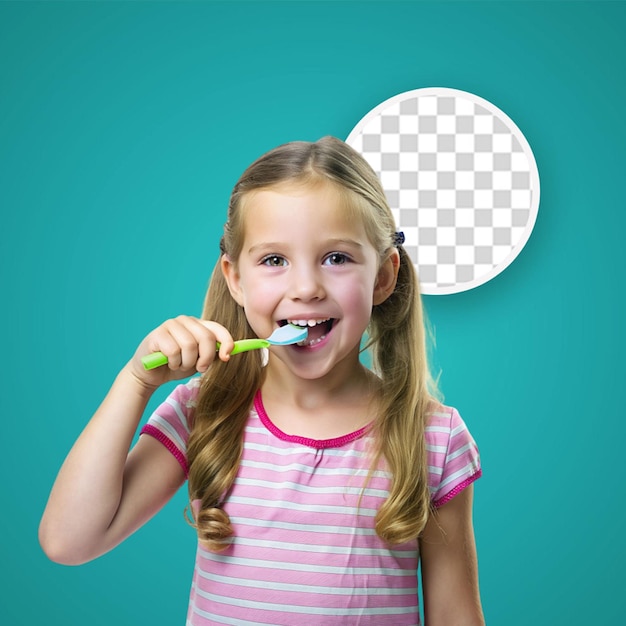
column 396, row 339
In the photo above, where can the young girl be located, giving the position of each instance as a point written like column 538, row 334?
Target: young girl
column 316, row 484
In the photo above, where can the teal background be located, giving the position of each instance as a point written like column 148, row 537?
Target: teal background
column 123, row 127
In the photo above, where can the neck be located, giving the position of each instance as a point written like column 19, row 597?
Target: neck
column 323, row 408
column 356, row 381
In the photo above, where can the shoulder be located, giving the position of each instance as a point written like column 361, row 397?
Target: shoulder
column 181, row 402
column 444, row 428
column 444, row 425
column 187, row 393
column 173, row 418
column 442, row 416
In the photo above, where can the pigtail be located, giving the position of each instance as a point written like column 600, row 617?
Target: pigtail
column 224, row 401
column 399, row 357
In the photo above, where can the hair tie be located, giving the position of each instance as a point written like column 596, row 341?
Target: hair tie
column 398, row 238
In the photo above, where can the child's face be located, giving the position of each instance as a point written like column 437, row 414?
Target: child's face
column 305, row 259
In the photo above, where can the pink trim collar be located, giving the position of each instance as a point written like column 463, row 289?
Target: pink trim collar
column 318, row 444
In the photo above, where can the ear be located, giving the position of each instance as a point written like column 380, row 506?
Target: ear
column 233, row 280
column 387, row 277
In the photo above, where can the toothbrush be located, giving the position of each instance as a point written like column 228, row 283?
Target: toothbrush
column 283, row 336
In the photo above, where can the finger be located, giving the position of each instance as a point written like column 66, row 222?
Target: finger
column 184, row 332
column 222, row 336
column 206, row 343
column 170, row 338
column 202, row 348
column 160, row 340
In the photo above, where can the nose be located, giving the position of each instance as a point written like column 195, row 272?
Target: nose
column 306, row 283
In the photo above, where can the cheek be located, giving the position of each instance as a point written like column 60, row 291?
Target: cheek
column 358, row 298
column 260, row 295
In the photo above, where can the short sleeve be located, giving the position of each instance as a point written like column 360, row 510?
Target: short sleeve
column 453, row 458
column 171, row 421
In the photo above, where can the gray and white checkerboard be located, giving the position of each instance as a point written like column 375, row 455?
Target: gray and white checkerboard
column 461, row 180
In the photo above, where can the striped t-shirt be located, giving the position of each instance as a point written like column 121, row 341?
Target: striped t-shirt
column 304, row 549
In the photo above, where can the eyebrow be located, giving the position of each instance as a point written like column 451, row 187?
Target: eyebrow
column 274, row 245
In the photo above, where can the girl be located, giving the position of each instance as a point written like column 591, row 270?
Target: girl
column 312, row 478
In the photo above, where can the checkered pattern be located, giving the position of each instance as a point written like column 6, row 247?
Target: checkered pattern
column 460, row 179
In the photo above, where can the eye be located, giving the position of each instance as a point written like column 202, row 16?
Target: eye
column 336, row 258
column 273, row 260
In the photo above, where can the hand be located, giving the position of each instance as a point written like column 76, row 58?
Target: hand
column 188, row 343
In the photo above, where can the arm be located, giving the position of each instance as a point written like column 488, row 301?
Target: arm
column 103, row 492
column 449, row 565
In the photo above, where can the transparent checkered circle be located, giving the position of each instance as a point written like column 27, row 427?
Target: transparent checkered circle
column 461, row 180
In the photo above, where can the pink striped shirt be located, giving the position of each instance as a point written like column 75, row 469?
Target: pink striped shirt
column 305, row 550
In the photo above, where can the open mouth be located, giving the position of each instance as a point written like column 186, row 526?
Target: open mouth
column 317, row 329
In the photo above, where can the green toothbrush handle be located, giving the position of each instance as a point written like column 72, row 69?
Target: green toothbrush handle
column 156, row 359
column 244, row 345
column 151, row 361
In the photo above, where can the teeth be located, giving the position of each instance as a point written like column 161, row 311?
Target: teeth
column 308, row 322
column 306, row 342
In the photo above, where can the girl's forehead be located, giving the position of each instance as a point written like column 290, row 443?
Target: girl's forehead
column 295, row 193
column 291, row 212
column 319, row 208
